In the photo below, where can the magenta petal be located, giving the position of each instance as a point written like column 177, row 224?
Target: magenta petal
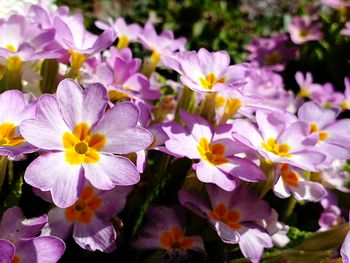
column 51, row 172
column 96, row 235
column 7, row 251
column 111, row 170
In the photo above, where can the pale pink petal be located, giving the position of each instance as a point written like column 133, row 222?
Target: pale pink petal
column 110, row 171
column 51, row 172
column 47, row 129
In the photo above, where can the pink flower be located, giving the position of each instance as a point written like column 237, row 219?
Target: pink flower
column 216, row 151
column 233, row 215
column 18, row 241
column 89, row 218
column 125, row 33
column 166, row 230
column 13, row 110
column 271, row 53
column 301, row 30
column 290, row 181
column 279, row 138
column 80, row 140
column 205, row 71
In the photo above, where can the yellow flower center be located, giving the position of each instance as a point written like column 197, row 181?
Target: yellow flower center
column 304, row 93
column 174, row 240
column 155, row 58
column 81, row 146
column 85, row 207
column 77, row 60
column 227, row 216
column 212, row 153
column 278, row 149
column 289, row 177
column 345, row 105
column 123, row 42
column 322, row 135
column 210, row 80
column 8, row 135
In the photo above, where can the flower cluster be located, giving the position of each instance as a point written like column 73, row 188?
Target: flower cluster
column 96, row 127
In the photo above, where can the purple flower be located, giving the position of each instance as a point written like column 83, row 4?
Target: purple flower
column 232, row 215
column 301, row 30
column 308, row 89
column 346, row 31
column 89, row 218
column 25, row 41
column 216, row 151
column 206, row 71
column 160, row 45
column 280, row 138
column 125, row 33
column 165, row 230
column 290, row 180
column 333, row 141
column 19, row 243
column 270, row 87
column 80, row 138
column 271, row 53
column 13, row 110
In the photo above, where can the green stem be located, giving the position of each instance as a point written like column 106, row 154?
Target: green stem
column 3, row 168
column 289, row 209
column 49, row 71
column 187, row 102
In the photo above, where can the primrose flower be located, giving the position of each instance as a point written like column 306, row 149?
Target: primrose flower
column 216, row 151
column 269, row 86
column 308, row 89
column 233, row 215
column 18, row 241
column 13, row 110
column 280, row 139
column 160, row 45
column 79, row 139
column 23, row 41
column 290, row 180
column 334, row 176
column 301, row 30
column 165, row 230
column 119, row 74
column 72, row 35
column 89, row 218
column 125, row 33
column 271, row 53
column 205, row 71
column 332, row 134
column 331, row 214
